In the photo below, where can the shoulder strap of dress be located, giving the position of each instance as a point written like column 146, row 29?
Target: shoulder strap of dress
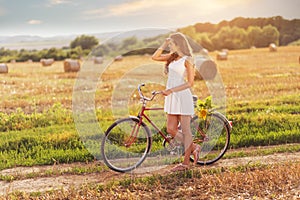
column 184, row 57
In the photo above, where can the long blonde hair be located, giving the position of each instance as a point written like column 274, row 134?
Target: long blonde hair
column 179, row 40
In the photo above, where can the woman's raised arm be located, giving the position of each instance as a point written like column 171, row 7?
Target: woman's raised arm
column 158, row 54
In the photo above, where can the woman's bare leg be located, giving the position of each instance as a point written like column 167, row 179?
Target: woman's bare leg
column 185, row 121
column 172, row 127
column 184, row 135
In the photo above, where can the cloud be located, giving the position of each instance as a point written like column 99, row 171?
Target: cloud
column 34, row 22
column 170, row 8
column 58, row 2
column 131, row 8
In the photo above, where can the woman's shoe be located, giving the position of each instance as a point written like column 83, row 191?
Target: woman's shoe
column 180, row 167
column 196, row 153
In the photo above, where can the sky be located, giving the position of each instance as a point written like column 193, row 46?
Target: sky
column 67, row 17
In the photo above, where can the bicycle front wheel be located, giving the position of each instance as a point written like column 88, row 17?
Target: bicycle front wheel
column 126, row 144
column 213, row 135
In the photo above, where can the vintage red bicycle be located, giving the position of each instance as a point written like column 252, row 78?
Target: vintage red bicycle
column 128, row 141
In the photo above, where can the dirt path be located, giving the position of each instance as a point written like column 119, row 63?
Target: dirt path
column 42, row 184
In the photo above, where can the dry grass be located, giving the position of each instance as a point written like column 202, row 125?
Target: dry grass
column 265, row 182
column 246, row 75
column 33, row 87
column 278, row 181
column 249, row 74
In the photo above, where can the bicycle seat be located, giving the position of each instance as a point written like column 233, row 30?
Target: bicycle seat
column 195, row 97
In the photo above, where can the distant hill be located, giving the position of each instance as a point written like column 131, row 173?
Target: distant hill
column 34, row 42
column 37, row 42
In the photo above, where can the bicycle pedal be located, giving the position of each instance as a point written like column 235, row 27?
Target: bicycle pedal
column 171, row 145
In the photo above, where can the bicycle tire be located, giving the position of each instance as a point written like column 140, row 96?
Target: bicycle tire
column 121, row 152
column 217, row 130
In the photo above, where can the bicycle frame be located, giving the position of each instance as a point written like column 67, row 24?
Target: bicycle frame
column 135, row 129
column 142, row 115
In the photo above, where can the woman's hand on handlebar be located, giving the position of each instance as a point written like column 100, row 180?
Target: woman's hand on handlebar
column 166, row 92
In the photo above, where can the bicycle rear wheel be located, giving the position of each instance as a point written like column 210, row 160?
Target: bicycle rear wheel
column 126, row 144
column 213, row 135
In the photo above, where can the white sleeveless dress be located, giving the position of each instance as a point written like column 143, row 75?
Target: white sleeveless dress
column 178, row 103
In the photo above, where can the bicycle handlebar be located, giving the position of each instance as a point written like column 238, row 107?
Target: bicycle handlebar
column 154, row 93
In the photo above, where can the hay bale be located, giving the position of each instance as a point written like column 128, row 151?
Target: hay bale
column 98, row 60
column 225, row 50
column 3, row 68
column 272, row 47
column 47, row 62
column 71, row 65
column 119, row 58
column 222, row 55
column 204, row 52
column 205, row 69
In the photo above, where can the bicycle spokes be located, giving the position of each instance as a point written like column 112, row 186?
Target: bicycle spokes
column 126, row 144
column 132, row 136
column 212, row 135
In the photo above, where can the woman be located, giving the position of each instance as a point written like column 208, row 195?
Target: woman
column 178, row 97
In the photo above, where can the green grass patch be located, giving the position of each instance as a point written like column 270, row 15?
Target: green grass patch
column 40, row 146
column 51, row 137
column 265, row 122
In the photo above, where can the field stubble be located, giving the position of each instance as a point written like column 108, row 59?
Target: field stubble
column 247, row 74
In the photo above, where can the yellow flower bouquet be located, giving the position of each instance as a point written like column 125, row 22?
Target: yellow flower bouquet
column 203, row 107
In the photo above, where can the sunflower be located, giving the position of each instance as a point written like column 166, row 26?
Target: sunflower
column 202, row 107
column 202, row 113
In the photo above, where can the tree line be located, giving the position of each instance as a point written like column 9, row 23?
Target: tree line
column 79, row 47
column 234, row 37
column 239, row 33
column 289, row 30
